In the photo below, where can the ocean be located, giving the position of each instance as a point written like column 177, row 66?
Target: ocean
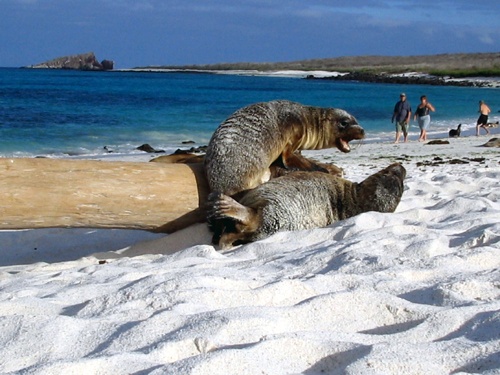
column 59, row 113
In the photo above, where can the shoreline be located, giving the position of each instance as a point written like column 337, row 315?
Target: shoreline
column 457, row 148
column 413, row 78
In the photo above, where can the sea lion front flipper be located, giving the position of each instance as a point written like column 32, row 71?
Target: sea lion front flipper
column 332, row 169
column 294, row 161
column 291, row 162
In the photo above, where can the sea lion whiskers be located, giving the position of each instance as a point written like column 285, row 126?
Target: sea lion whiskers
column 357, row 144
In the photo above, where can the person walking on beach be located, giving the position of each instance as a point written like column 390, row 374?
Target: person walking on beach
column 402, row 115
column 482, row 121
column 422, row 114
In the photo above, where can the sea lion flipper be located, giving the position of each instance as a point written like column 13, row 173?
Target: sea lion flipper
column 294, row 161
column 224, row 207
column 290, row 162
column 229, row 220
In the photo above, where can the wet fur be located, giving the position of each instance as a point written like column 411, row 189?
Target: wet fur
column 302, row 200
column 455, row 132
column 245, row 146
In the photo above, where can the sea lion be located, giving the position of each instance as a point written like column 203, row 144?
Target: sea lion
column 302, row 200
column 493, row 142
column 454, row 133
column 243, row 148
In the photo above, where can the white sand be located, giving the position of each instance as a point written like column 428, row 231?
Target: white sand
column 413, row 292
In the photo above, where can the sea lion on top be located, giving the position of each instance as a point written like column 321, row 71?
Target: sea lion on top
column 302, row 200
column 245, row 146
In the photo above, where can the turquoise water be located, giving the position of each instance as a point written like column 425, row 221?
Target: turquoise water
column 60, row 113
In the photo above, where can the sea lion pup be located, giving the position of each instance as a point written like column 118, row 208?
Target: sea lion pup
column 302, row 200
column 453, row 133
column 244, row 146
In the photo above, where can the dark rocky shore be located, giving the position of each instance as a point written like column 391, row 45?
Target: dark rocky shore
column 422, row 79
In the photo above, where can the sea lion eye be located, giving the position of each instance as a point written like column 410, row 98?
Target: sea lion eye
column 344, row 123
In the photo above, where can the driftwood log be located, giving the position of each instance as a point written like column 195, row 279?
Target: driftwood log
column 47, row 193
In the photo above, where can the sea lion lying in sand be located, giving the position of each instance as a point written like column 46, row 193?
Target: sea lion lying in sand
column 245, row 146
column 302, row 200
column 493, row 142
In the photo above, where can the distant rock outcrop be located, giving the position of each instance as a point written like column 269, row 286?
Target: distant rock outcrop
column 84, row 61
column 147, row 148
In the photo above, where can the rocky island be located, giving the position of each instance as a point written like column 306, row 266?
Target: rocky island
column 84, row 61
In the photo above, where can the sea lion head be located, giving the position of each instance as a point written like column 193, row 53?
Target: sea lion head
column 382, row 191
column 340, row 127
column 348, row 129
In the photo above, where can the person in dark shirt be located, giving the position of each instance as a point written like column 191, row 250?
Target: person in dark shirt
column 402, row 115
column 422, row 114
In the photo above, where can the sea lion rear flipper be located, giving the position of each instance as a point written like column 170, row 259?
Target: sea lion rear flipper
column 224, row 207
column 229, row 220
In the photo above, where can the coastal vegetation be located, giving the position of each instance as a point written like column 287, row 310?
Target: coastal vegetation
column 452, row 65
column 463, row 73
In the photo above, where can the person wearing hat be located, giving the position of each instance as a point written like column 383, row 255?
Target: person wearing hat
column 482, row 121
column 402, row 115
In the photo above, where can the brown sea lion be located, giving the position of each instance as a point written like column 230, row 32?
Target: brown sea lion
column 244, row 146
column 302, row 200
column 493, row 142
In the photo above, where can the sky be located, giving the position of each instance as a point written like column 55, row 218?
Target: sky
column 184, row 32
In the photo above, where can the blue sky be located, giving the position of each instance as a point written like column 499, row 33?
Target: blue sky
column 177, row 32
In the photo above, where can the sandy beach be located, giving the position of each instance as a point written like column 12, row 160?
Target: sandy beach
column 416, row 291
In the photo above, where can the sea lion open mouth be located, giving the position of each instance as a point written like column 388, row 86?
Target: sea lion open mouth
column 357, row 133
column 343, row 145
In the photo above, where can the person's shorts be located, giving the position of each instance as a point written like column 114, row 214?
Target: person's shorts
column 401, row 126
column 482, row 120
column 424, row 122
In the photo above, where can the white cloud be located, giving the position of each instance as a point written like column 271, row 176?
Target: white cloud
column 486, row 38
